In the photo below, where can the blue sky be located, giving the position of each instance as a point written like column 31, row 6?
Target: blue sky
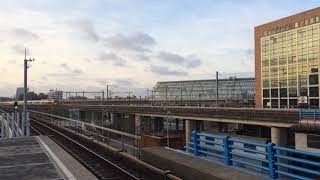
column 86, row 44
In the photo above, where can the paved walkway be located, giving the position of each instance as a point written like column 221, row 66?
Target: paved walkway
column 38, row 158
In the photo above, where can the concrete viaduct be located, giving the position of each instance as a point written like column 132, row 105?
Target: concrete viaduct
column 277, row 119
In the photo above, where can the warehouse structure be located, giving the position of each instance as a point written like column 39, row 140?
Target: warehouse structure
column 226, row 91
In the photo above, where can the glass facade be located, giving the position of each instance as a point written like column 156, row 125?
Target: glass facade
column 289, row 65
column 240, row 89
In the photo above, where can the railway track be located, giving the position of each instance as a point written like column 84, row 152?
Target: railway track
column 103, row 164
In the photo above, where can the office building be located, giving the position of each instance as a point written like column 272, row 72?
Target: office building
column 287, row 61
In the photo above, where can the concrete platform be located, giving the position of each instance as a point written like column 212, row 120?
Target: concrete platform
column 38, row 158
column 189, row 167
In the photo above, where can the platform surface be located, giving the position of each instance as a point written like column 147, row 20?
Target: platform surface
column 189, row 167
column 38, row 158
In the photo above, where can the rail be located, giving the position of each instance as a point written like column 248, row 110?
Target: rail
column 265, row 159
column 121, row 140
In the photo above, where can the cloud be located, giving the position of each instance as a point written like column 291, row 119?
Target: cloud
column 161, row 70
column 77, row 72
column 20, row 49
column 135, row 42
column 65, row 66
column 68, row 71
column 12, row 61
column 112, row 57
column 248, row 57
column 189, row 61
column 86, row 27
column 44, row 78
column 24, row 34
column 3, row 70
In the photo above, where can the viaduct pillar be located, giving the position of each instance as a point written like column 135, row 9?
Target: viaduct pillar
column 279, row 136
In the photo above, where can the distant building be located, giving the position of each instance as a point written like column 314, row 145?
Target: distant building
column 238, row 90
column 55, row 95
column 20, row 91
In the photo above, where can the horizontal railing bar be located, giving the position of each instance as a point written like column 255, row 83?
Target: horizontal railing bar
column 211, row 148
column 250, row 164
column 211, row 154
column 247, row 142
column 211, row 142
column 249, row 157
column 210, row 135
column 92, row 125
column 250, row 150
column 298, row 168
column 296, row 151
column 189, row 148
column 292, row 175
column 297, row 160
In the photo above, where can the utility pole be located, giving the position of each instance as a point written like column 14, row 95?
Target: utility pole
column 25, row 121
column 181, row 96
column 107, row 93
column 217, row 90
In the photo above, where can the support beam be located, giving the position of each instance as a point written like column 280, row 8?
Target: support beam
column 279, row 136
column 137, row 120
column 190, row 126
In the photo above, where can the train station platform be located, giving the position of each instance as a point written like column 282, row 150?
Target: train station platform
column 38, row 157
column 189, row 167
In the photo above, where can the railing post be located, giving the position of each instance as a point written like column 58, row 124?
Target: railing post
column 300, row 114
column 2, row 125
column 272, row 160
column 314, row 114
column 195, row 142
column 23, row 123
column 227, row 151
column 28, row 125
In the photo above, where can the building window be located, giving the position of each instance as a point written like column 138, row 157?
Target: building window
column 266, row 93
column 313, row 79
column 266, row 103
column 283, row 92
column 266, row 83
column 283, row 103
column 274, row 92
column 313, row 141
column 292, row 92
column 314, row 103
column 311, row 20
column 303, row 91
column 274, row 103
column 314, row 91
column 293, row 102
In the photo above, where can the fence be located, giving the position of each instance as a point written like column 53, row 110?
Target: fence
column 121, row 140
column 13, row 125
column 265, row 159
column 309, row 114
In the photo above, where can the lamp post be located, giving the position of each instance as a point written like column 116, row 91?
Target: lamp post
column 25, row 121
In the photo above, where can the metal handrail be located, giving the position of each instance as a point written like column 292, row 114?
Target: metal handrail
column 270, row 159
column 89, row 124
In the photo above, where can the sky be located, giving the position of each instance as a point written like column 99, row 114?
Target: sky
column 130, row 44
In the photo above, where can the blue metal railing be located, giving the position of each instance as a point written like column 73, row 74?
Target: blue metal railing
column 309, row 114
column 266, row 159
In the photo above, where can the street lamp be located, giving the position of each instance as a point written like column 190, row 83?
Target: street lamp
column 25, row 97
